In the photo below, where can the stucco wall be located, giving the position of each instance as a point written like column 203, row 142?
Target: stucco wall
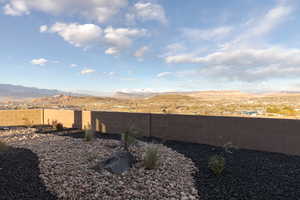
column 118, row 122
column 21, row 117
column 275, row 135
column 69, row 118
column 86, row 119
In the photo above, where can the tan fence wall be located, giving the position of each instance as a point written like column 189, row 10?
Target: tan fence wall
column 118, row 122
column 275, row 135
column 86, row 119
column 21, row 117
column 69, row 118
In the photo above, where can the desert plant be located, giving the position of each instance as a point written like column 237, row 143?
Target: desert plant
column 229, row 147
column 151, row 157
column 89, row 134
column 57, row 126
column 129, row 137
column 3, row 147
column 216, row 164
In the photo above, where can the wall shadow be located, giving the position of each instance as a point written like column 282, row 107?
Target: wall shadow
column 77, row 119
column 248, row 174
column 19, row 176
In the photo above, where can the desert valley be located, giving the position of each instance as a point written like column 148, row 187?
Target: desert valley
column 213, row 103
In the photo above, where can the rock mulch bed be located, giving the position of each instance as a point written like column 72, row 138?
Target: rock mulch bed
column 249, row 175
column 66, row 168
column 66, row 171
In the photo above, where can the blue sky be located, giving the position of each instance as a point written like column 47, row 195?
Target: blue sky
column 152, row 45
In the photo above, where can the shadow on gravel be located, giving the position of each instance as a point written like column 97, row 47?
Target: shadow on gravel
column 249, row 174
column 19, row 176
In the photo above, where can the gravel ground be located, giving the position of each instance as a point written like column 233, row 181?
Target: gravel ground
column 66, row 170
column 66, row 163
column 249, row 175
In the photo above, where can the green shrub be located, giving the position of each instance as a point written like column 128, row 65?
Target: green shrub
column 151, row 157
column 89, row 134
column 216, row 164
column 3, row 147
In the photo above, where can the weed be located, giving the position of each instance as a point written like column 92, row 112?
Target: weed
column 216, row 164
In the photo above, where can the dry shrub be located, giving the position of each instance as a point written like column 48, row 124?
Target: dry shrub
column 89, row 134
column 151, row 157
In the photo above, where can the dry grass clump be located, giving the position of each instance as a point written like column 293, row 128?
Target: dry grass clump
column 3, row 146
column 216, row 164
column 89, row 134
column 128, row 139
column 151, row 157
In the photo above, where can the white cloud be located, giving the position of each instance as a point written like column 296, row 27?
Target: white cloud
column 87, row 71
column 43, row 28
column 112, row 51
column 98, row 10
column 79, row 35
column 175, row 47
column 111, row 74
column 181, row 58
column 273, row 18
column 258, row 27
column 246, row 64
column 88, row 35
column 207, row 34
column 39, row 61
column 140, row 53
column 246, row 57
column 128, row 79
column 163, row 74
column 16, row 8
column 122, row 37
column 147, row 11
column 73, row 65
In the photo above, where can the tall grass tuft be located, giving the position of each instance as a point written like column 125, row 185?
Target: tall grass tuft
column 128, row 139
column 151, row 157
column 89, row 134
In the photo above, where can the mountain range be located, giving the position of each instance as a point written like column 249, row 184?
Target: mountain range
column 8, row 91
column 13, row 92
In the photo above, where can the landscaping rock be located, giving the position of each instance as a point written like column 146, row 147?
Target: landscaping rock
column 119, row 162
column 66, row 168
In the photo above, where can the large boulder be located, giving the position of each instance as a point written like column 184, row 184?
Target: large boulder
column 119, row 162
